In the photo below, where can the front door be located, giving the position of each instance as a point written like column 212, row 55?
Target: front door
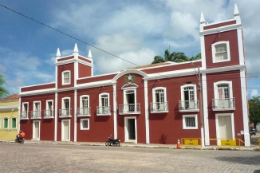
column 130, row 129
column 224, row 128
column 65, row 128
column 36, row 130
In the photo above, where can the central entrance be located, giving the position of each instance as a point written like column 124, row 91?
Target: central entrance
column 65, row 130
column 36, row 130
column 130, row 129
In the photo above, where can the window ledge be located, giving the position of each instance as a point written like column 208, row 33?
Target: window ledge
column 36, row 118
column 83, row 116
column 24, row 118
column 127, row 113
column 157, row 112
column 190, row 110
column 223, row 109
column 103, row 114
column 68, row 116
column 48, row 117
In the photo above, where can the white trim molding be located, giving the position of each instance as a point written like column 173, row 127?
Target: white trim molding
column 115, row 110
column 184, row 125
column 146, row 105
column 217, row 125
column 213, row 49
column 81, row 124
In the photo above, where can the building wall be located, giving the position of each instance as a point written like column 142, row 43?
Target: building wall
column 9, row 133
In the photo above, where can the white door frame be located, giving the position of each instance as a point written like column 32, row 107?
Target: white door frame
column 62, row 129
column 232, row 124
column 126, row 129
column 33, row 137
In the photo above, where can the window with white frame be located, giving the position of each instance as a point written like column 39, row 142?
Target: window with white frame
column 49, row 108
column 104, row 105
column 84, row 124
column 66, row 77
column 129, row 100
column 189, row 97
column 220, row 51
column 84, row 105
column 190, row 122
column 25, row 109
column 223, row 94
column 36, row 109
column 14, row 123
column 159, row 99
column 5, row 125
column 66, row 106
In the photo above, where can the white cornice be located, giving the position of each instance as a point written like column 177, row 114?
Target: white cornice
column 221, row 29
column 6, row 108
column 73, row 61
column 155, row 76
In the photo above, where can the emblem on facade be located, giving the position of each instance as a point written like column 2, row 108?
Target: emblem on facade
column 129, row 80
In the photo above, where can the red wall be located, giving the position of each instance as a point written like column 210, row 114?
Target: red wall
column 230, row 36
column 60, row 96
column 101, row 127
column 84, row 70
column 233, row 76
column 46, row 125
column 166, row 128
column 220, row 25
column 38, row 87
column 62, row 68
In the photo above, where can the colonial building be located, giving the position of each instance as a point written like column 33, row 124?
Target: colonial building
column 9, row 117
column 158, row 103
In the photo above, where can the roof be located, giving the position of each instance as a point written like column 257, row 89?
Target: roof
column 14, row 97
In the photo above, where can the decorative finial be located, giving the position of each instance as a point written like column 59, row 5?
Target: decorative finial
column 58, row 53
column 76, row 50
column 236, row 12
column 89, row 54
column 202, row 20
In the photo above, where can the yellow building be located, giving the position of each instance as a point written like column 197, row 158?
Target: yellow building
column 9, row 117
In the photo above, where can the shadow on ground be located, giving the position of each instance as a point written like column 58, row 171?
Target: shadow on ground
column 253, row 160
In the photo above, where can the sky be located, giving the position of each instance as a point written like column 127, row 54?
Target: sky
column 135, row 30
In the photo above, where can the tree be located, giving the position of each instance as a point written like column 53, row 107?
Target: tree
column 254, row 110
column 3, row 91
column 174, row 57
column 198, row 56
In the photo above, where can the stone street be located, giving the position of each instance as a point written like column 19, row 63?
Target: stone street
column 77, row 158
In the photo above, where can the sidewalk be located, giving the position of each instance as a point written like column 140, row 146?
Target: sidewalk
column 169, row 146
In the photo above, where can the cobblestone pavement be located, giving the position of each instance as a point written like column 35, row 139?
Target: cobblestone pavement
column 77, row 158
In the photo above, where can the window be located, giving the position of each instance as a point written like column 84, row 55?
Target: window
column 188, row 98
column 223, row 95
column 25, row 109
column 84, row 124
column 84, row 105
column 49, row 108
column 129, row 100
column 65, row 112
column 5, row 123
column 220, row 51
column 104, row 105
column 13, row 123
column 36, row 109
column 159, row 100
column 190, row 122
column 66, row 78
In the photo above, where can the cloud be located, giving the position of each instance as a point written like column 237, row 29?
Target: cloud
column 13, row 85
column 254, row 93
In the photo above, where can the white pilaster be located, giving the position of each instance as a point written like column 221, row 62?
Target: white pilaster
column 115, row 110
column 56, row 116
column 205, row 108
column 147, row 129
column 75, row 115
column 244, row 107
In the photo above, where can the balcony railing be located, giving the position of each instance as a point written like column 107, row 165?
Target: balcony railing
column 103, row 110
column 48, row 114
column 36, row 114
column 82, row 112
column 63, row 113
column 24, row 115
column 129, row 108
column 223, row 104
column 188, row 105
column 158, row 107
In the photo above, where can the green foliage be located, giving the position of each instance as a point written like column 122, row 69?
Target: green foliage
column 3, row 91
column 174, row 57
column 254, row 110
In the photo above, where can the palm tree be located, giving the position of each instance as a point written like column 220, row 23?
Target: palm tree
column 175, row 57
column 3, row 91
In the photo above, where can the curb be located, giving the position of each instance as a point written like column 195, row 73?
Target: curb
column 253, row 148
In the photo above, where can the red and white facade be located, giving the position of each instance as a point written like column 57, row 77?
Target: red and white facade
column 157, row 103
